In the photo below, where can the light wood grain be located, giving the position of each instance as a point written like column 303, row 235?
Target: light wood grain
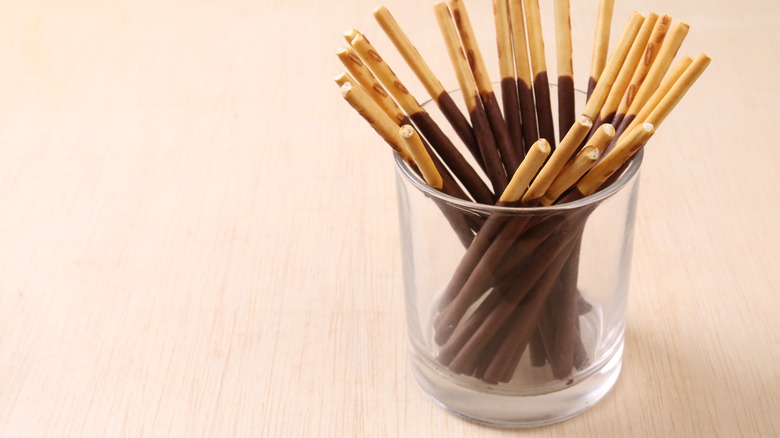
column 199, row 237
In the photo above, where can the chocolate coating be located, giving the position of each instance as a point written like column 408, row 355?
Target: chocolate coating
column 452, row 157
column 494, row 168
column 536, row 350
column 527, row 114
column 544, row 109
column 478, row 279
column 460, row 125
column 510, row 100
column 618, row 119
column 565, row 104
column 527, row 313
column 591, row 86
column 619, row 130
column 523, row 305
column 566, row 316
column 543, row 246
column 509, row 153
column 471, row 258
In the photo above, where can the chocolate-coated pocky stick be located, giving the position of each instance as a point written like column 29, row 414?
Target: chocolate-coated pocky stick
column 563, row 55
column 633, row 58
column 546, row 325
column 529, row 253
column 470, row 341
column 648, row 57
column 558, row 159
column 626, row 147
column 475, row 254
column 612, row 68
column 525, row 246
column 571, row 173
column 484, row 324
column 532, row 282
column 514, row 231
column 426, row 167
column 523, row 74
column 510, row 155
column 474, row 284
column 566, row 317
column 385, row 126
column 458, row 339
column 526, row 318
column 477, row 279
column 653, row 113
column 655, row 75
column 674, row 86
column 600, row 43
column 542, row 233
column 362, row 76
column 533, row 25
column 423, row 121
column 472, row 274
column 506, row 67
column 397, row 117
column 581, row 359
column 470, row 326
column 536, row 353
column 429, row 80
column 631, row 119
column 494, row 168
column 568, row 321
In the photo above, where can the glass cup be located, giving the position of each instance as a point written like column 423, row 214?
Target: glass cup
column 515, row 316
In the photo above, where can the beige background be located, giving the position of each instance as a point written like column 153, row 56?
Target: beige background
column 198, row 237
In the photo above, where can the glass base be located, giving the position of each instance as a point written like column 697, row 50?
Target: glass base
column 502, row 410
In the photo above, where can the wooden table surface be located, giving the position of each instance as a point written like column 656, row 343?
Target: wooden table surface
column 199, row 237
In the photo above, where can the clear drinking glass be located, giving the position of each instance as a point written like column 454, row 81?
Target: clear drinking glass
column 522, row 326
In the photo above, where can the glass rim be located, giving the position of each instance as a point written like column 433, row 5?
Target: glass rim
column 628, row 174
